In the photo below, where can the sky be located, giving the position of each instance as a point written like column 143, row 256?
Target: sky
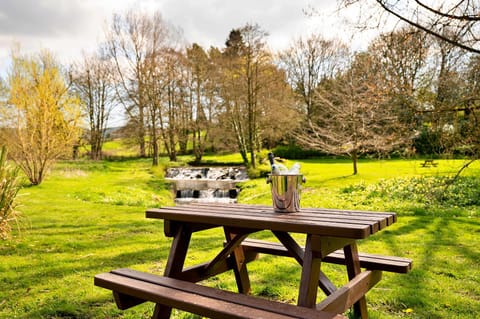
column 67, row 28
column 70, row 27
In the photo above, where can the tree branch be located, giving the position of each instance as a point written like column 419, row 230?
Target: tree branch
column 427, row 30
column 466, row 17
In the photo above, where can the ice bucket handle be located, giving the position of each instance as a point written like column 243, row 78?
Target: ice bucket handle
column 269, row 179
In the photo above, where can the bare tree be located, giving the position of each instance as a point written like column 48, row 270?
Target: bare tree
column 135, row 41
column 454, row 22
column 469, row 112
column 93, row 82
column 248, row 73
column 202, row 97
column 309, row 61
column 404, row 55
column 172, row 104
column 164, row 85
column 353, row 116
column 440, row 99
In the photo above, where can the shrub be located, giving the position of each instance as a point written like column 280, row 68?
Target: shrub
column 9, row 187
column 428, row 142
column 294, row 151
column 434, row 190
column 262, row 170
column 427, row 191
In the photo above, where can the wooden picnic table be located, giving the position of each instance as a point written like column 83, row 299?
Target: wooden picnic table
column 331, row 236
column 428, row 163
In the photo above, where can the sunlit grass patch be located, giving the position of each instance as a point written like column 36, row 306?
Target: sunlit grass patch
column 89, row 217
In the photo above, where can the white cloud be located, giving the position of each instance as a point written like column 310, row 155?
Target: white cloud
column 67, row 27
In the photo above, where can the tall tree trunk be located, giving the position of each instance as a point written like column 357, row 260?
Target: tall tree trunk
column 154, row 138
column 355, row 161
column 141, row 132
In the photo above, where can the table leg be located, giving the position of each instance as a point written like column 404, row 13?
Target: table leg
column 176, row 260
column 310, row 273
column 352, row 262
column 239, row 264
column 323, row 282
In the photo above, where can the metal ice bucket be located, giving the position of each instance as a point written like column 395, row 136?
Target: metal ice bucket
column 286, row 192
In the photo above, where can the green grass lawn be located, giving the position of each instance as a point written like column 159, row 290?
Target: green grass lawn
column 88, row 218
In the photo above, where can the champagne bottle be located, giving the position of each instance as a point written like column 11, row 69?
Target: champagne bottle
column 275, row 169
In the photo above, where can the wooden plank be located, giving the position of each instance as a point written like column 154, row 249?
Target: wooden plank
column 201, row 300
column 270, row 221
column 255, row 210
column 178, row 251
column 197, row 273
column 238, row 260
column 298, row 253
column 256, row 207
column 175, row 262
column 310, row 273
column 124, row 302
column 268, row 247
column 311, row 212
column 232, row 242
column 342, row 299
column 368, row 261
column 238, row 212
column 352, row 262
column 374, row 262
column 377, row 220
column 290, row 245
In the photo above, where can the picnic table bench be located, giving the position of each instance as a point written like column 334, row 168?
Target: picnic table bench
column 131, row 288
column 331, row 237
column 368, row 261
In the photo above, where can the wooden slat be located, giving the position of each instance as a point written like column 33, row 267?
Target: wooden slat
column 310, row 274
column 374, row 262
column 266, row 247
column 310, row 213
column 347, row 224
column 368, row 261
column 383, row 219
column 178, row 251
column 198, row 272
column 238, row 260
column 124, row 302
column 227, row 250
column 390, row 217
column 352, row 263
column 342, row 299
column 201, row 300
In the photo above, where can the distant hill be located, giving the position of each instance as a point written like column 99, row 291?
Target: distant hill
column 114, row 132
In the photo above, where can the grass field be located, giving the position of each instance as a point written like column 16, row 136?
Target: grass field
column 88, row 218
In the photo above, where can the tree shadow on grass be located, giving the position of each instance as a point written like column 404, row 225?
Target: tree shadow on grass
column 424, row 239
column 434, row 245
column 52, row 268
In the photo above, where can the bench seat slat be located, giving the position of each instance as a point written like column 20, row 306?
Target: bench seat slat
column 368, row 261
column 201, row 300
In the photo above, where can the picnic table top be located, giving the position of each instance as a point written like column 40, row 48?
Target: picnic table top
column 354, row 224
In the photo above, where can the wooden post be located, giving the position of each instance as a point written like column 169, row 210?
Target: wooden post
column 176, row 260
column 239, row 264
column 352, row 261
